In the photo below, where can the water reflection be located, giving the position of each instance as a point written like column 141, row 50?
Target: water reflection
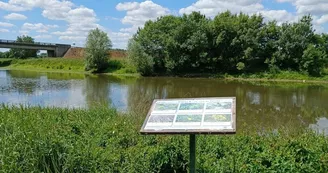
column 321, row 126
column 96, row 90
column 260, row 106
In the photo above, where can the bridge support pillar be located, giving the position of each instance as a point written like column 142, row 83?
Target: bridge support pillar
column 51, row 53
column 61, row 50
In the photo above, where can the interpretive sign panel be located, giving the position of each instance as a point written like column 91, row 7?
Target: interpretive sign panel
column 191, row 116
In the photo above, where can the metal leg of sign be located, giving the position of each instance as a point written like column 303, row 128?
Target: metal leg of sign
column 192, row 150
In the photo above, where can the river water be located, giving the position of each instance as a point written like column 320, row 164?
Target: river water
column 260, row 105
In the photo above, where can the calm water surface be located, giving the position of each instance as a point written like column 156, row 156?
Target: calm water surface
column 260, row 106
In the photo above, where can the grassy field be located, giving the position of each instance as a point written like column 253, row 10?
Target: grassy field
column 102, row 140
column 49, row 64
column 71, row 65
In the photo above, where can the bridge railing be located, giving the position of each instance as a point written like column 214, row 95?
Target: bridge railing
column 35, row 43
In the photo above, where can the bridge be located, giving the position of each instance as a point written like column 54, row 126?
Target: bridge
column 53, row 50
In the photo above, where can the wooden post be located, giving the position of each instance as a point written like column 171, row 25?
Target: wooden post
column 192, row 152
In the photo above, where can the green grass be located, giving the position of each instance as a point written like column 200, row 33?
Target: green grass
column 282, row 75
column 51, row 64
column 64, row 65
column 102, row 140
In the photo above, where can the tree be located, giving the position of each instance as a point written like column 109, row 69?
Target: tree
column 3, row 54
column 294, row 39
column 313, row 61
column 96, row 50
column 137, row 56
column 23, row 53
column 229, row 43
column 237, row 41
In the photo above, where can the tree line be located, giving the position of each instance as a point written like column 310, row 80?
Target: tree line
column 229, row 43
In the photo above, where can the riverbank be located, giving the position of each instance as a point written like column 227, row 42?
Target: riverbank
column 64, row 65
column 282, row 76
column 101, row 140
column 121, row 67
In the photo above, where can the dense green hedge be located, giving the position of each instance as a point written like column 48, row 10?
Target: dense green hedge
column 101, row 140
column 229, row 43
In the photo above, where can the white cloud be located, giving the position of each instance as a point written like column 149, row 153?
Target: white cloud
column 52, row 9
column 46, row 36
column 111, row 18
column 72, row 38
column 317, row 8
column 4, row 30
column 127, row 6
column 38, row 27
column 314, row 7
column 5, row 24
column 138, row 13
column 280, row 16
column 15, row 16
column 12, row 7
column 80, row 19
column 213, row 7
column 120, row 39
column 285, row 0
column 323, row 19
column 57, row 10
column 23, row 32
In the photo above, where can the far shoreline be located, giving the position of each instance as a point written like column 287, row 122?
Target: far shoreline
column 202, row 76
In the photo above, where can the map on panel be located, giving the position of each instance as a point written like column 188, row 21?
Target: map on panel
column 203, row 115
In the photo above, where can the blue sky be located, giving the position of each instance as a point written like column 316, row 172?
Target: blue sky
column 68, row 21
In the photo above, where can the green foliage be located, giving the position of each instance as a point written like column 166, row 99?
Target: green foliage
column 23, row 53
column 293, row 40
column 96, row 50
column 101, row 140
column 5, row 62
column 139, row 58
column 240, row 66
column 229, row 43
column 313, row 60
column 4, row 55
column 120, row 67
